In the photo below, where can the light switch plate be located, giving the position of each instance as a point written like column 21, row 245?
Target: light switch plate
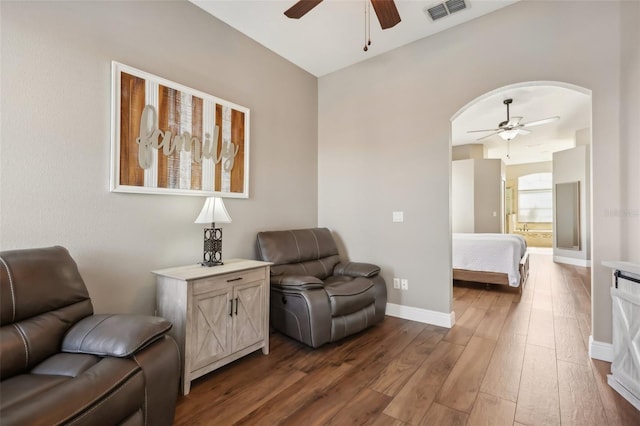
column 398, row 216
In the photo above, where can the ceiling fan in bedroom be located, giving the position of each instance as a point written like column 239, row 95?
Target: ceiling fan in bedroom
column 512, row 127
column 386, row 11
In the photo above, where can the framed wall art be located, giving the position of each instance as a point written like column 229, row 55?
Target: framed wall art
column 171, row 139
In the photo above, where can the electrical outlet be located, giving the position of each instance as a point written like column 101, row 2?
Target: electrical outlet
column 396, row 283
column 405, row 284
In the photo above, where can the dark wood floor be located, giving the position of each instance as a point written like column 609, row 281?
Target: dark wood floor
column 509, row 360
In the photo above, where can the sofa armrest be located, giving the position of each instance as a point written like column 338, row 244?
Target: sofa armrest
column 356, row 269
column 114, row 335
column 296, row 282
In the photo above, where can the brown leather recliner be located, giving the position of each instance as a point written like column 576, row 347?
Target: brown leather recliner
column 60, row 364
column 316, row 298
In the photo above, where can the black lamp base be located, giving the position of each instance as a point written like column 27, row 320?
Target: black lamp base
column 210, row 263
column 212, row 247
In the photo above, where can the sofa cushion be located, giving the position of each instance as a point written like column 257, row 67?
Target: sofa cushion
column 321, row 268
column 356, row 269
column 114, row 335
column 38, row 305
column 349, row 295
column 53, row 284
column 52, row 399
column 295, row 246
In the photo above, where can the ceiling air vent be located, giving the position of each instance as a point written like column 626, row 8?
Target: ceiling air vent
column 444, row 9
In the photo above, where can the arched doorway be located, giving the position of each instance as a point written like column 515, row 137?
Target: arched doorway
column 494, row 205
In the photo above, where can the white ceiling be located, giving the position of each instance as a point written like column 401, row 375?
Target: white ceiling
column 331, row 35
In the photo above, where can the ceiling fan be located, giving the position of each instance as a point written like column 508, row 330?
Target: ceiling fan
column 512, row 127
column 385, row 10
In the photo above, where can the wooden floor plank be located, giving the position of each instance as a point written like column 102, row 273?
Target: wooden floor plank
column 568, row 340
column 580, row 404
column 364, row 408
column 541, row 331
column 384, row 420
column 485, row 300
column 492, row 323
column 289, row 400
column 466, row 326
column 415, row 398
column 328, row 403
column 491, row 410
column 400, row 369
column 538, row 402
column 463, row 297
column 517, row 319
column 502, row 378
column 240, row 404
column 441, row 415
column 460, row 389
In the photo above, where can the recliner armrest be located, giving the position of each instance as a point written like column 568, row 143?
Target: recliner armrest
column 356, row 269
column 114, row 335
column 296, row 282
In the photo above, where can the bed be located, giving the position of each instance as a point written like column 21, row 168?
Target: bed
column 490, row 258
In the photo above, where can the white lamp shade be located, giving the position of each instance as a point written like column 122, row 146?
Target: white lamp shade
column 213, row 211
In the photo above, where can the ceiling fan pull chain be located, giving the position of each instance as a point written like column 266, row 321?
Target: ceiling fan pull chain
column 367, row 25
column 368, row 3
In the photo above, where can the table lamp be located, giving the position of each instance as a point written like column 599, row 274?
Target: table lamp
column 213, row 211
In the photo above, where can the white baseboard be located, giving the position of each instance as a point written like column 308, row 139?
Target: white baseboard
column 611, row 380
column 421, row 315
column 600, row 350
column 572, row 261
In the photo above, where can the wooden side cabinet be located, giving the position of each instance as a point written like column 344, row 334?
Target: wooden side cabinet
column 219, row 314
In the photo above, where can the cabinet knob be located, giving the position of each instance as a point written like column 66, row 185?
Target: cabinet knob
column 231, row 307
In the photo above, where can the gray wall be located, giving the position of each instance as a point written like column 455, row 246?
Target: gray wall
column 384, row 135
column 488, row 195
column 462, row 196
column 56, row 60
column 475, row 195
column 630, row 102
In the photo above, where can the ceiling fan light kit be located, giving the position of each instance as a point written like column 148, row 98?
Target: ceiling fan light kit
column 511, row 127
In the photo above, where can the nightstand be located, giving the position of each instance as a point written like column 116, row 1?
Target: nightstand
column 219, row 313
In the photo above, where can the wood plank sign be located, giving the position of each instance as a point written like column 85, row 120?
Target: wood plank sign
column 171, row 139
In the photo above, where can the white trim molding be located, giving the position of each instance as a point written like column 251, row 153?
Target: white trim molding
column 425, row 316
column 600, row 350
column 626, row 394
column 572, row 261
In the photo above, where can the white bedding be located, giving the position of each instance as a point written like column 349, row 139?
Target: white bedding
column 489, row 253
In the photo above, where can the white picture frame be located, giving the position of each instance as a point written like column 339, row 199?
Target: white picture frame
column 167, row 138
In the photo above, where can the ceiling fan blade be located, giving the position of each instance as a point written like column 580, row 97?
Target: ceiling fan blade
column 523, row 131
column 539, row 122
column 387, row 13
column 489, row 135
column 513, row 121
column 299, row 9
column 486, row 130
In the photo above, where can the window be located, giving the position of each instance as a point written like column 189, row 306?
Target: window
column 535, row 198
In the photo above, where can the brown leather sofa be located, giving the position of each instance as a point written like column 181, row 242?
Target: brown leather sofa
column 60, row 364
column 316, row 298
